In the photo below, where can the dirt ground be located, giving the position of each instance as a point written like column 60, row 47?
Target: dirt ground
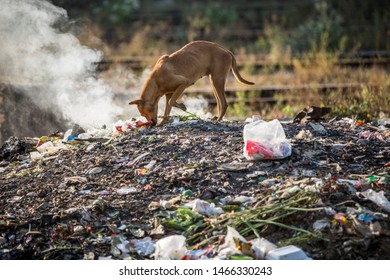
column 83, row 200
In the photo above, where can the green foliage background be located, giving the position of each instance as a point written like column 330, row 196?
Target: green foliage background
column 348, row 25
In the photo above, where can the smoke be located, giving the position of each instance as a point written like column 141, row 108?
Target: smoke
column 51, row 66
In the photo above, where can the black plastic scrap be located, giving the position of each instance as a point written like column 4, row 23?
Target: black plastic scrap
column 311, row 113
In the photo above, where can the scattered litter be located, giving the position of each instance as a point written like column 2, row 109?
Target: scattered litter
column 98, row 204
column 304, row 134
column 95, row 170
column 137, row 159
column 76, row 179
column 124, row 126
column 234, row 166
column 229, row 247
column 145, row 247
column 369, row 135
column 318, row 128
column 187, row 193
column 166, row 204
column 106, row 194
column 366, row 217
column 45, row 147
column 201, row 254
column 341, row 218
column 36, row 156
column 261, row 247
column 120, row 246
column 320, row 225
column 150, row 165
column 124, row 191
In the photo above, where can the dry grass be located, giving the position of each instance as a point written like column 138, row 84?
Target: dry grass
column 368, row 97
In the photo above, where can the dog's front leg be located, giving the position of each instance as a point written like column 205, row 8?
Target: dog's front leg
column 168, row 109
column 168, row 106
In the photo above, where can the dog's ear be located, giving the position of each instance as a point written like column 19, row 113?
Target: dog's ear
column 136, row 102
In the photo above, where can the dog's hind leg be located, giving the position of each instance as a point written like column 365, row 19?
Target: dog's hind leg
column 218, row 78
column 176, row 95
column 219, row 87
column 219, row 93
column 217, row 98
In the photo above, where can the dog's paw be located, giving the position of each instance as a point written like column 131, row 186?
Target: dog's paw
column 181, row 106
column 162, row 121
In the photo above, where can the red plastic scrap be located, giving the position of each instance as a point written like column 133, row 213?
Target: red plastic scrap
column 119, row 127
column 45, row 139
column 258, row 148
column 368, row 135
column 40, row 142
column 141, row 123
column 341, row 218
column 129, row 126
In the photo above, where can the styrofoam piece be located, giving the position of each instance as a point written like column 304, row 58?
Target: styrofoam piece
column 290, row 252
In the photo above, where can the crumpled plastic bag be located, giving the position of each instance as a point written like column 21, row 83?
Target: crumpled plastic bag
column 170, row 248
column 207, row 209
column 265, row 140
column 145, row 247
column 120, row 246
column 261, row 247
column 378, row 198
column 229, row 247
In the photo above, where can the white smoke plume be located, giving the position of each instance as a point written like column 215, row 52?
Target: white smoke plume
column 52, row 66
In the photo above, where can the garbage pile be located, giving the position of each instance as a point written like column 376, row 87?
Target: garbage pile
column 190, row 190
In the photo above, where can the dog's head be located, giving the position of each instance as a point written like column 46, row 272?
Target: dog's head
column 146, row 110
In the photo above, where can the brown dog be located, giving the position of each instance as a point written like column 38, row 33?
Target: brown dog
column 173, row 73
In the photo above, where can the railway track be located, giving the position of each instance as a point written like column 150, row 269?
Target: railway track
column 258, row 62
column 257, row 96
column 265, row 94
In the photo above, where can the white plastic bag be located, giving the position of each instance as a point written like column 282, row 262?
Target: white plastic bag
column 265, row 140
column 378, row 198
column 204, row 208
column 261, row 247
column 229, row 247
column 170, row 248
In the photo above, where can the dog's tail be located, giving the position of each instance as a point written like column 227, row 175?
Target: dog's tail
column 236, row 73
